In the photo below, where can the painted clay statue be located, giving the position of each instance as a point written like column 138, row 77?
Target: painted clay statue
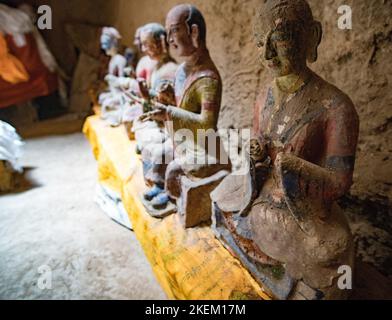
column 153, row 141
column 112, row 102
column 281, row 219
column 141, row 70
column 145, row 65
column 155, row 72
column 195, row 171
column 110, row 44
column 156, row 77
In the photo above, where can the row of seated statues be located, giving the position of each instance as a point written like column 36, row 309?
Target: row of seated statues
column 279, row 217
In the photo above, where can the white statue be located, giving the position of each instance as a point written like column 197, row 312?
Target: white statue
column 113, row 102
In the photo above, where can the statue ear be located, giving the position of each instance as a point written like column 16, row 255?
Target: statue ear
column 315, row 36
column 195, row 34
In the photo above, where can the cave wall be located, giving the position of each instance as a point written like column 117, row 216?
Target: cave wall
column 92, row 12
column 358, row 61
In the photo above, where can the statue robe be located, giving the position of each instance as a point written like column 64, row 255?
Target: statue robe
column 198, row 99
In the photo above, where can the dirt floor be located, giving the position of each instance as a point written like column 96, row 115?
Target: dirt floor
column 55, row 225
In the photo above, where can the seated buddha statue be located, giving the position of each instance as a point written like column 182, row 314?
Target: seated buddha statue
column 112, row 101
column 145, row 64
column 198, row 90
column 281, row 218
column 110, row 44
column 155, row 71
column 157, row 84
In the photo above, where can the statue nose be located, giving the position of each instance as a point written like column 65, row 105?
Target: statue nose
column 269, row 50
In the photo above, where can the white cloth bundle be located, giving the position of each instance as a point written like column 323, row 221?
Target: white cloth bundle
column 10, row 146
column 17, row 23
column 14, row 22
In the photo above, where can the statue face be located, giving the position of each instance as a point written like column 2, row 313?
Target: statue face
column 281, row 48
column 179, row 36
column 150, row 46
column 108, row 44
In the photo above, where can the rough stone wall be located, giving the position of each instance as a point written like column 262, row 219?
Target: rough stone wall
column 94, row 12
column 359, row 62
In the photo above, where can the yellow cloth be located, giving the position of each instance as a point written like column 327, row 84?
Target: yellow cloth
column 188, row 263
column 11, row 69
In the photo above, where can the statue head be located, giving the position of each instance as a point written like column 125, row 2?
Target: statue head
column 186, row 30
column 109, row 40
column 153, row 40
column 287, row 35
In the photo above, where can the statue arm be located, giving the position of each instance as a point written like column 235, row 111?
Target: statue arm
column 301, row 179
column 257, row 130
column 208, row 95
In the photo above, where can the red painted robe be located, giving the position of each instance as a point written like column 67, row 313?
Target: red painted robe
column 41, row 81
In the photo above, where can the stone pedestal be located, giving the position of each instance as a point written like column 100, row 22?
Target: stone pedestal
column 194, row 205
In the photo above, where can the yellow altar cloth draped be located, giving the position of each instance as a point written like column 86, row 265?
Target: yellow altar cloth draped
column 189, row 264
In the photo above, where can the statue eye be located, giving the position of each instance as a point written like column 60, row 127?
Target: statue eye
column 260, row 44
column 282, row 36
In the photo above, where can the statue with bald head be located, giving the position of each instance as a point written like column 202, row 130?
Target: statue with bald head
column 195, row 171
column 281, row 218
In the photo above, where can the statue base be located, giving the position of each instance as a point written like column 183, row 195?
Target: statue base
column 274, row 279
column 194, row 204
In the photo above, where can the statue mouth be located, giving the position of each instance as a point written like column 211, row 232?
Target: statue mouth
column 273, row 64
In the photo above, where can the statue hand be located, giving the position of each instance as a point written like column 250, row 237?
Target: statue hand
column 166, row 94
column 130, row 72
column 159, row 113
column 260, row 165
column 110, row 79
column 143, row 88
column 258, row 151
column 132, row 96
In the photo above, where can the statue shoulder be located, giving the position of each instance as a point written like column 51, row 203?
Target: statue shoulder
column 208, row 89
column 171, row 67
column 206, row 80
column 145, row 62
column 169, row 70
column 120, row 59
column 337, row 103
column 211, row 74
